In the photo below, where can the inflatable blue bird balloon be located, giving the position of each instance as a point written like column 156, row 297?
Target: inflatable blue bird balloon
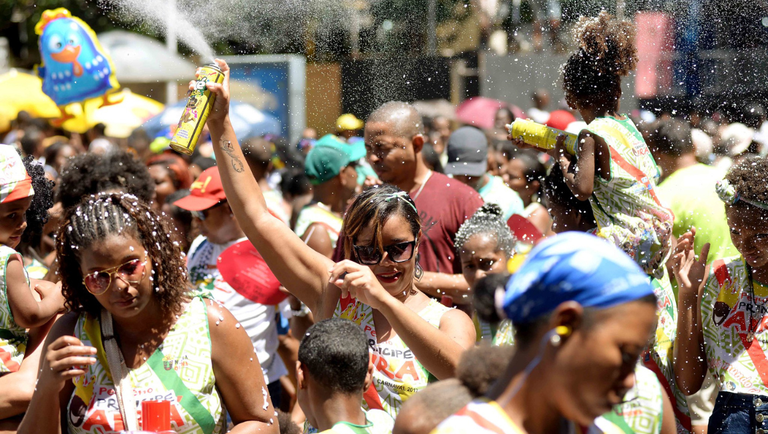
column 74, row 66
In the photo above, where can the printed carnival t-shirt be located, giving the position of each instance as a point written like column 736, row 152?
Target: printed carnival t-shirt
column 642, row 411
column 443, row 205
column 180, row 370
column 734, row 326
column 397, row 374
column 626, row 208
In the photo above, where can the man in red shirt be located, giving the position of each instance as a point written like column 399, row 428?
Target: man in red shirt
column 394, row 138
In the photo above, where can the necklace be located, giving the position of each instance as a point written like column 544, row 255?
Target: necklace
column 429, row 175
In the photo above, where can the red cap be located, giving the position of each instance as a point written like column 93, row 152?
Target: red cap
column 204, row 193
column 560, row 119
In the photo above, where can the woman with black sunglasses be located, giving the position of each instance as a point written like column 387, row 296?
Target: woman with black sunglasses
column 414, row 339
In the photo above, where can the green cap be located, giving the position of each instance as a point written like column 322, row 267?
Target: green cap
column 323, row 163
column 355, row 150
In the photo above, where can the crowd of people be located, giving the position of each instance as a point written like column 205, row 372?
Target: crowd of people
column 432, row 277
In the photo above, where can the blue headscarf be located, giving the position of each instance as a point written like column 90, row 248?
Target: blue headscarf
column 573, row 266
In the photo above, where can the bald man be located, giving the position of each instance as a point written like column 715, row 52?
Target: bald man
column 394, row 138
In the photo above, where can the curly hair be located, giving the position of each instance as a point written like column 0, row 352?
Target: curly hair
column 42, row 201
column 90, row 173
column 488, row 221
column 107, row 214
column 607, row 52
column 480, row 366
column 748, row 179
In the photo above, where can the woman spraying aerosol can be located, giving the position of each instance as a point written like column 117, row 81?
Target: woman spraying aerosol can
column 196, row 111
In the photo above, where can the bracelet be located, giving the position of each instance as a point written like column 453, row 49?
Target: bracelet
column 304, row 311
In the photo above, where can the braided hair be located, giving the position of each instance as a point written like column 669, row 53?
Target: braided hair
column 107, row 214
column 607, row 52
column 487, row 221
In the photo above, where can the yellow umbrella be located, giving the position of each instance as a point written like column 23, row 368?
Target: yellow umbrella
column 22, row 91
column 120, row 119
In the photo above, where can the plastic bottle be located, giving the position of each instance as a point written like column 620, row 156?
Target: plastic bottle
column 541, row 136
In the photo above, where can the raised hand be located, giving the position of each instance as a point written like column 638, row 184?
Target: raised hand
column 220, row 108
column 359, row 282
column 689, row 272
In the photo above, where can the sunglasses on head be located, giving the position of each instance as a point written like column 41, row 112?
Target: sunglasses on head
column 131, row 272
column 201, row 215
column 370, row 255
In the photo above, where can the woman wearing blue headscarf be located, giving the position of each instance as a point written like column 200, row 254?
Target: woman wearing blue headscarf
column 583, row 312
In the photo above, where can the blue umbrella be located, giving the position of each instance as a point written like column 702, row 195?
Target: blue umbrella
column 247, row 120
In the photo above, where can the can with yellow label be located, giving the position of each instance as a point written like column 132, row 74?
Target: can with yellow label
column 196, row 111
column 541, row 136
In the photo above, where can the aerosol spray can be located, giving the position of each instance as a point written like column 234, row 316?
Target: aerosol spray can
column 541, row 136
column 199, row 104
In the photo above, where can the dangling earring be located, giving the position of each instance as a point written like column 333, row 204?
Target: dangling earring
column 418, row 272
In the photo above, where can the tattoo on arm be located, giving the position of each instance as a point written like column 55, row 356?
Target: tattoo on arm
column 229, row 148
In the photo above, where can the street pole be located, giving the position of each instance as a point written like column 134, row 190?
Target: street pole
column 432, row 27
column 171, row 87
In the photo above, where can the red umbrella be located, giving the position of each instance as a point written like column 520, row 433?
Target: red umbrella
column 479, row 111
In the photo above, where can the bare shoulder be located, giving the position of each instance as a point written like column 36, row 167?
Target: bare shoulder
column 459, row 326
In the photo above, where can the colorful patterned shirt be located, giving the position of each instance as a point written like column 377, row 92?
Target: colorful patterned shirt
column 479, row 417
column 659, row 356
column 501, row 334
column 397, row 373
column 643, row 411
column 734, row 326
column 180, row 371
column 13, row 339
column 626, row 209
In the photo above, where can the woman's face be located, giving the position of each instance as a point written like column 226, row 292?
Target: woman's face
column 480, row 256
column 396, row 278
column 513, row 173
column 593, row 368
column 121, row 299
column 749, row 234
column 163, row 183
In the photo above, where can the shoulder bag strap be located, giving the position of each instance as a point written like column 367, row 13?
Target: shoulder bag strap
column 126, row 402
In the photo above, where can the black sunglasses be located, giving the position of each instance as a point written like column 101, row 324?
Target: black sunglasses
column 400, row 252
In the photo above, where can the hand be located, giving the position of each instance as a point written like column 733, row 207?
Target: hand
column 359, row 282
column 519, row 143
column 220, row 109
column 49, row 290
column 371, row 181
column 65, row 359
column 561, row 154
column 689, row 272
